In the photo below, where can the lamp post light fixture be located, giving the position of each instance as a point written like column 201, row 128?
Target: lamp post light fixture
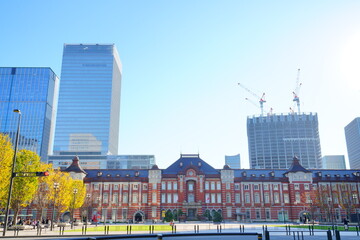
column 12, row 173
column 73, row 208
column 56, row 188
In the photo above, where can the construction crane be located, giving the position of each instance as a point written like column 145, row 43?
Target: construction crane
column 261, row 99
column 297, row 91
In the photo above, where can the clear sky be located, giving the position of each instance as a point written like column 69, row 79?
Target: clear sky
column 182, row 61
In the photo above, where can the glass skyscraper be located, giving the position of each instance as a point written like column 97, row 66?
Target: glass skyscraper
column 89, row 100
column 34, row 92
column 352, row 135
column 333, row 162
column 233, row 161
column 274, row 140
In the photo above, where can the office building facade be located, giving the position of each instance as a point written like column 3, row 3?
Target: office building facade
column 34, row 91
column 333, row 162
column 130, row 161
column 233, row 161
column 273, row 140
column 89, row 100
column 191, row 189
column 352, row 135
column 94, row 160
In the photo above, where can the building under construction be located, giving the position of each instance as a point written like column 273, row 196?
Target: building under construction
column 274, row 140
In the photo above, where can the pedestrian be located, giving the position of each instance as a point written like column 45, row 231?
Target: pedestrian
column 346, row 224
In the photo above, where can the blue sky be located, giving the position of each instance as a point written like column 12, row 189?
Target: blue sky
column 182, row 61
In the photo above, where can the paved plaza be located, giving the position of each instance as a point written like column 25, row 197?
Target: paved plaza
column 277, row 232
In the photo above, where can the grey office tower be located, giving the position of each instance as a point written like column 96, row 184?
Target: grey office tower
column 275, row 139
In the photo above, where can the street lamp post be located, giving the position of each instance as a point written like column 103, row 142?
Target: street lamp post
column 56, row 188
column 87, row 209
column 73, row 208
column 331, row 215
column 355, row 199
column 12, row 173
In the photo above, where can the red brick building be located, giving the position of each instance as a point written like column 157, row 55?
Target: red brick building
column 192, row 186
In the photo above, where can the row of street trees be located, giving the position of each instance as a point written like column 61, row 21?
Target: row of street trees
column 39, row 192
column 322, row 202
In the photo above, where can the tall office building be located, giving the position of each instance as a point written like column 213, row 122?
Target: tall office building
column 274, row 140
column 33, row 91
column 333, row 162
column 89, row 101
column 352, row 135
column 233, row 161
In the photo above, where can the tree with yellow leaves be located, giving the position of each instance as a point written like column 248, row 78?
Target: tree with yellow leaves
column 6, row 157
column 42, row 198
column 24, row 188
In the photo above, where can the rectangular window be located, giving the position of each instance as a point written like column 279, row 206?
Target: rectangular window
column 276, row 187
column 144, row 198
column 124, row 213
column 237, row 186
column 258, row 216
column 169, row 186
column 115, row 198
column 163, row 198
column 227, row 186
column 296, row 186
column 228, row 197
column 257, row 198
column 154, row 198
column 96, row 186
column 135, row 198
column 145, row 187
column 266, row 187
column 218, row 185
column 246, row 187
column 306, row 187
column 353, row 187
column 163, row 186
column 116, row 187
column 256, row 186
column 154, row 186
column 206, row 185
column 207, row 197
column 314, row 186
column 237, row 198
column 175, row 185
column 175, row 197
column 153, row 212
column 307, row 196
column 267, row 213
column 267, row 198
column 286, row 198
column 276, row 197
column 285, row 187
column 125, row 186
column 135, row 186
column 297, row 197
column 248, row 215
column 247, row 198
column 219, row 198
column 106, row 186
column 125, row 198
column 169, row 198
column 105, row 197
column 213, row 200
column 212, row 185
column 228, row 212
